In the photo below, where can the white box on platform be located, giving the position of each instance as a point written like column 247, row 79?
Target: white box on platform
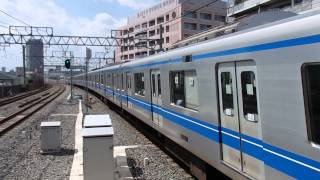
column 50, row 136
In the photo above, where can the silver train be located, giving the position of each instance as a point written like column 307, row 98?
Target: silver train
column 247, row 103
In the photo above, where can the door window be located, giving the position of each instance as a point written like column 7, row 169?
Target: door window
column 249, row 96
column 159, row 85
column 227, row 93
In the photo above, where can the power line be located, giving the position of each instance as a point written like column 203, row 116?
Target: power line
column 3, row 26
column 15, row 18
column 1, row 22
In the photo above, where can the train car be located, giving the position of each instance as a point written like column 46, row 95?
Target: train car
column 246, row 103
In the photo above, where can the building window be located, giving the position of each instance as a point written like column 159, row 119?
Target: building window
column 144, row 25
column 311, row 89
column 167, row 28
column 190, row 26
column 152, row 23
column 174, row 15
column 139, row 84
column 152, row 52
column 160, row 20
column 184, row 89
column 152, row 33
column 167, row 39
column 167, row 17
column 205, row 16
column 205, row 26
column 190, row 14
column 249, row 96
column 220, row 18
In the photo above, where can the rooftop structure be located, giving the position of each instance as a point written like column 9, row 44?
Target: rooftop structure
column 241, row 8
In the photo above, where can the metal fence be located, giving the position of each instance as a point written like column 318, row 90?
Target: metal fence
column 6, row 91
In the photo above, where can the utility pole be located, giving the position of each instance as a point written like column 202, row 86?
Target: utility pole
column 88, row 56
column 24, row 64
column 71, row 83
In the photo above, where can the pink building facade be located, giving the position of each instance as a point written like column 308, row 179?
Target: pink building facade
column 178, row 21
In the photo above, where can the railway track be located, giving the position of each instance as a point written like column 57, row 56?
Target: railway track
column 9, row 100
column 28, row 109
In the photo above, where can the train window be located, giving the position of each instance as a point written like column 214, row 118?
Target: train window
column 139, row 84
column 227, row 93
column 311, row 82
column 249, row 96
column 184, row 89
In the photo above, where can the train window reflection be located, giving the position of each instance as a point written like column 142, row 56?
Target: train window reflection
column 139, row 84
column 311, row 80
column 249, row 96
column 184, row 89
column 227, row 93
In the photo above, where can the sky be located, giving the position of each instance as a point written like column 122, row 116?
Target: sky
column 67, row 17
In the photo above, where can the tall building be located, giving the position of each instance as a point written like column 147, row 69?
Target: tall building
column 178, row 21
column 34, row 63
column 3, row 69
column 241, row 8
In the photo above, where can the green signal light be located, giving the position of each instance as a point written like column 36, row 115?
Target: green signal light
column 67, row 63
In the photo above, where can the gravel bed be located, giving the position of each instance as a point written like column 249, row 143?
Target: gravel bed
column 20, row 148
column 148, row 162
column 160, row 165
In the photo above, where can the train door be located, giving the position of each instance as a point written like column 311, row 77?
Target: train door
column 123, row 90
column 156, row 96
column 129, row 88
column 239, row 115
column 119, row 87
column 114, row 79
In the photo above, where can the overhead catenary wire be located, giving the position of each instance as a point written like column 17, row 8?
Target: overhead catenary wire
column 19, row 20
column 3, row 26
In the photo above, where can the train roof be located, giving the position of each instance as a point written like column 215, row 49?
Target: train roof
column 237, row 39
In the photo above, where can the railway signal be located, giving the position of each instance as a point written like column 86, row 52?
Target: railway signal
column 67, row 63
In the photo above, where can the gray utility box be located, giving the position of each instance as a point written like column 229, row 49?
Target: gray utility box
column 98, row 153
column 92, row 121
column 50, row 136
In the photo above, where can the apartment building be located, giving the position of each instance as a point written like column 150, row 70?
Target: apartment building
column 178, row 21
column 240, row 8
